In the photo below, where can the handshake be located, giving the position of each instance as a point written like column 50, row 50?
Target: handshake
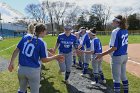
column 60, row 58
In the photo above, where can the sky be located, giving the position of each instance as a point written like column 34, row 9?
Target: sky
column 19, row 4
column 116, row 5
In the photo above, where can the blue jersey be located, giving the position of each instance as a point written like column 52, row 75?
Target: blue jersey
column 86, row 40
column 119, row 39
column 96, row 46
column 66, row 42
column 31, row 51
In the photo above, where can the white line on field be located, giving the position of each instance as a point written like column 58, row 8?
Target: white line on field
column 7, row 48
column 134, row 62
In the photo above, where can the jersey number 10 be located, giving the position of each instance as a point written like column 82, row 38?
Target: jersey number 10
column 28, row 49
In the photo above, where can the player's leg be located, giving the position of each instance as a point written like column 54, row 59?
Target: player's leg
column 100, row 71
column 81, row 59
column 95, row 69
column 116, row 72
column 86, row 62
column 74, row 59
column 123, row 74
column 33, row 76
column 68, row 59
column 63, row 64
column 23, row 82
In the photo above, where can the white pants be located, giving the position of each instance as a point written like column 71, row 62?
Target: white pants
column 118, row 66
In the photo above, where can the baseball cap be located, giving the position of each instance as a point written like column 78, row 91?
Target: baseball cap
column 68, row 27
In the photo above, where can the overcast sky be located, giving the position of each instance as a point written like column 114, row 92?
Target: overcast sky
column 116, row 5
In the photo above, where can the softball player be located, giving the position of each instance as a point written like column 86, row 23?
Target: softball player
column 85, row 41
column 32, row 50
column 96, row 48
column 65, row 42
column 118, row 51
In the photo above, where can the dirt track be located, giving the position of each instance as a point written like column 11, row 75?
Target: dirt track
column 133, row 65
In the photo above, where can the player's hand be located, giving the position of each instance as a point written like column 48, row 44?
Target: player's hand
column 11, row 66
column 99, row 56
column 79, row 46
column 79, row 52
column 60, row 58
column 51, row 50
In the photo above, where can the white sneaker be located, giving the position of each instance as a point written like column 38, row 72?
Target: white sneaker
column 40, row 86
column 66, row 81
column 104, row 81
column 84, row 75
column 95, row 84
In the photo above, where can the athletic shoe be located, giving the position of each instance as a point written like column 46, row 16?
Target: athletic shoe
column 40, row 86
column 95, row 84
column 104, row 81
column 66, row 81
column 84, row 75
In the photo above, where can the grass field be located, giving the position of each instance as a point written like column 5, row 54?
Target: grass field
column 53, row 81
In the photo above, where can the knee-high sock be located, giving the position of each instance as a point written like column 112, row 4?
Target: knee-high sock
column 101, row 75
column 80, row 64
column 67, row 74
column 125, row 86
column 85, row 68
column 116, row 87
column 96, row 77
column 74, row 59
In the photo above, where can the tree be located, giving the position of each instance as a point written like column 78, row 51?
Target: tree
column 126, row 11
column 59, row 9
column 82, row 21
column 49, row 8
column 102, row 12
column 37, row 12
column 71, row 15
column 133, row 22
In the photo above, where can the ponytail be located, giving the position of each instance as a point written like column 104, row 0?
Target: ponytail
column 122, row 22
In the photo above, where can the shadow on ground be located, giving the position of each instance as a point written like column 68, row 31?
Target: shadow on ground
column 46, row 86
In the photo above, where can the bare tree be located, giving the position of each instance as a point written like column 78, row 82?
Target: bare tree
column 102, row 12
column 37, row 12
column 59, row 9
column 71, row 15
column 50, row 13
column 126, row 11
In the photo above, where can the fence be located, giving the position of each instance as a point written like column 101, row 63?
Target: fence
column 131, row 32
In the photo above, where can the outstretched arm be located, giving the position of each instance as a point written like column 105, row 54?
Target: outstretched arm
column 106, row 52
column 55, row 57
column 14, row 55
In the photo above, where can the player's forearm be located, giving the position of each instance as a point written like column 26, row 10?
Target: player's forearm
column 88, row 52
column 109, row 51
column 14, row 55
column 50, row 54
column 56, row 46
column 48, row 59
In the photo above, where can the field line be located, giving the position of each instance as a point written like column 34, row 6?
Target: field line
column 134, row 62
column 7, row 48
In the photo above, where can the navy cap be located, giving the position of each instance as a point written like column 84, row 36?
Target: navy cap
column 68, row 27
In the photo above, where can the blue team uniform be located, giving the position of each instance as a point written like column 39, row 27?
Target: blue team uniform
column 66, row 43
column 31, row 51
column 85, row 44
column 86, row 41
column 65, row 47
column 96, row 46
column 119, row 39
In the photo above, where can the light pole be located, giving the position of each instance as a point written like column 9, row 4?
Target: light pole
column 1, row 24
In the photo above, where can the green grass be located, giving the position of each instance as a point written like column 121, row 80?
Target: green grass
column 131, row 39
column 52, row 82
